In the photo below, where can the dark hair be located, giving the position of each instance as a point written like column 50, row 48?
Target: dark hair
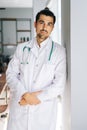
column 46, row 12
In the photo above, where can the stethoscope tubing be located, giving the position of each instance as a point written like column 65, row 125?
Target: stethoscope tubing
column 51, row 51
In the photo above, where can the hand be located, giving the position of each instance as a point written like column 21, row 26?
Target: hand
column 30, row 98
column 23, row 102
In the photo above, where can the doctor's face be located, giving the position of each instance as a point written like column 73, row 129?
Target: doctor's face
column 44, row 27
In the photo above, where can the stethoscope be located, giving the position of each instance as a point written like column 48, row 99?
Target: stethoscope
column 25, row 54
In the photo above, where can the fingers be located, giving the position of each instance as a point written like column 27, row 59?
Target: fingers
column 36, row 93
column 34, row 102
column 25, row 94
column 30, row 98
column 22, row 102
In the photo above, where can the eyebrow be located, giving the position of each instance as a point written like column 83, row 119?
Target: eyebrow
column 40, row 20
column 43, row 21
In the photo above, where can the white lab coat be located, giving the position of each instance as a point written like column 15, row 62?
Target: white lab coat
column 39, row 74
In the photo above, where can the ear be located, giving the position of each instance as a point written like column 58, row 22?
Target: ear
column 53, row 28
column 35, row 24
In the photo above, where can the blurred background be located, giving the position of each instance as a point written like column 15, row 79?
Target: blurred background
column 16, row 26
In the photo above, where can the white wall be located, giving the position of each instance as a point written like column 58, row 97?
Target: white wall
column 79, row 64
column 65, row 39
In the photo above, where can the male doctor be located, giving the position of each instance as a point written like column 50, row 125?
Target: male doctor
column 36, row 75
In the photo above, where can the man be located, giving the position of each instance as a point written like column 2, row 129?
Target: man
column 36, row 76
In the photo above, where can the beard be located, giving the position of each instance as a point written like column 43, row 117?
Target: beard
column 41, row 36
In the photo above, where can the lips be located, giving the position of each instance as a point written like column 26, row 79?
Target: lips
column 43, row 31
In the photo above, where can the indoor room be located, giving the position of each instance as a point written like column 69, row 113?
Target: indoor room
column 18, row 27
column 15, row 28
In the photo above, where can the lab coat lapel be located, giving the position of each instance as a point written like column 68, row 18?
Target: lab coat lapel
column 34, row 51
column 33, row 47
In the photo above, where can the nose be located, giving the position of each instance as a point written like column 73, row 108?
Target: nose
column 44, row 26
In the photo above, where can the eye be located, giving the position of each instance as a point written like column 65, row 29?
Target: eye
column 41, row 22
column 50, row 24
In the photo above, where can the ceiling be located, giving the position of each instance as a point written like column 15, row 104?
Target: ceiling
column 16, row 3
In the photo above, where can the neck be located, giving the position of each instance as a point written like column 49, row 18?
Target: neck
column 40, row 40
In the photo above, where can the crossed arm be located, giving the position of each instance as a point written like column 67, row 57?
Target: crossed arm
column 50, row 92
column 30, row 98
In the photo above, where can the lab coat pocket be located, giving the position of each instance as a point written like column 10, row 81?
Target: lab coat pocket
column 46, row 75
column 48, row 70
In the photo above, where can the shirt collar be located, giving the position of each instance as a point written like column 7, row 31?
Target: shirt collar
column 33, row 45
column 33, row 42
column 43, row 44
